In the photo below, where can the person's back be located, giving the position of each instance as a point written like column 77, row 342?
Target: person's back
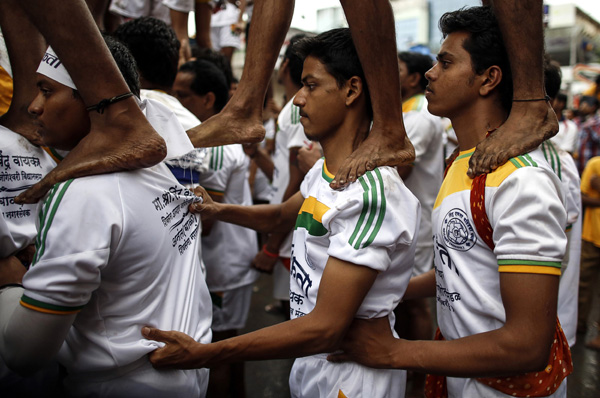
column 130, row 260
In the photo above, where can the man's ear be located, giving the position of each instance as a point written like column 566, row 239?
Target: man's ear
column 354, row 89
column 209, row 100
column 491, row 79
column 413, row 79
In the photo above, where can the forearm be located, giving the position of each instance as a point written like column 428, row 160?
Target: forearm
column 261, row 218
column 421, row 286
column 495, row 353
column 29, row 339
column 179, row 22
column 264, row 162
column 588, row 201
column 292, row 339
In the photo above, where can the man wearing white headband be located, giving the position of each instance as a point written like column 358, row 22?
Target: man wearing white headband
column 97, row 278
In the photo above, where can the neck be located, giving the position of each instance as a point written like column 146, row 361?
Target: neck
column 339, row 145
column 408, row 94
column 472, row 124
column 146, row 85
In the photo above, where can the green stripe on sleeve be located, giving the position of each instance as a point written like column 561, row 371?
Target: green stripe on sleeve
column 381, row 211
column 364, row 210
column 372, row 210
column 42, row 248
column 52, row 307
column 555, row 264
column 42, row 221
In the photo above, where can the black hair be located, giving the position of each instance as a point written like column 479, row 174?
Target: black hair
column 295, row 63
column 154, row 46
column 590, row 100
column 125, row 63
column 561, row 97
column 208, row 78
column 417, row 63
column 335, row 49
column 217, row 59
column 552, row 77
column 485, row 44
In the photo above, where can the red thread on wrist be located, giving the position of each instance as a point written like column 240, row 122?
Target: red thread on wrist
column 268, row 253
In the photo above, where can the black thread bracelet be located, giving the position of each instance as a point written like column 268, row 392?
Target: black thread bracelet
column 546, row 98
column 102, row 105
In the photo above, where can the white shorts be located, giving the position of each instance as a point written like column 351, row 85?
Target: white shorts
column 222, row 36
column 314, row 376
column 230, row 308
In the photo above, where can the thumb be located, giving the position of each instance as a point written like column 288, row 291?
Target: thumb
column 155, row 334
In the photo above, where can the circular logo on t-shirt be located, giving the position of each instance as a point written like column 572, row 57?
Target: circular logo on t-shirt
column 457, row 230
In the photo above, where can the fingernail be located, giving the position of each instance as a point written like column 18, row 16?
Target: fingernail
column 333, row 182
column 145, row 331
column 342, row 182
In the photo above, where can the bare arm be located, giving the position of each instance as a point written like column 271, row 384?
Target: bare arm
column 318, row 331
column 179, row 22
column 421, row 286
column 262, row 218
column 521, row 345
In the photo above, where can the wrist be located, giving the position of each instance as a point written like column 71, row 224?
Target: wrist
column 270, row 253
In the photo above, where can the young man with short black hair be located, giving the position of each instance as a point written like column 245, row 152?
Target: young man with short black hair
column 352, row 251
column 495, row 281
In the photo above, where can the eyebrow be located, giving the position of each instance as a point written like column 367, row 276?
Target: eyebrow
column 443, row 55
column 305, row 78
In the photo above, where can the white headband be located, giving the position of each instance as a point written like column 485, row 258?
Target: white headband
column 52, row 67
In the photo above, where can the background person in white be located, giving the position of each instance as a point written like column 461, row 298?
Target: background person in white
column 289, row 138
column 97, row 278
column 423, row 178
column 496, row 308
column 369, row 257
column 203, row 89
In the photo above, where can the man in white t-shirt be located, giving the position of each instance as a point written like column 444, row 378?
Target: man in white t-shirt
column 496, row 283
column 203, row 89
column 226, row 25
column 287, row 176
column 423, row 178
column 352, row 251
column 568, row 132
column 151, row 40
column 127, row 259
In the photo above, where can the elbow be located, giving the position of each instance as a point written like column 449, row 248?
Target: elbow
column 536, row 359
column 22, row 366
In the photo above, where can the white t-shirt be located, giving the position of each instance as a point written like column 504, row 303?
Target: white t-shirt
column 467, row 281
column 141, row 8
column 567, row 135
column 226, row 16
column 229, row 249
column 290, row 134
column 185, row 117
column 425, row 132
column 373, row 223
column 127, row 260
column 22, row 165
column 564, row 166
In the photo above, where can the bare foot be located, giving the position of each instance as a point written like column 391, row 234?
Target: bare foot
column 594, row 344
column 528, row 125
column 120, row 139
column 233, row 125
column 382, row 149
